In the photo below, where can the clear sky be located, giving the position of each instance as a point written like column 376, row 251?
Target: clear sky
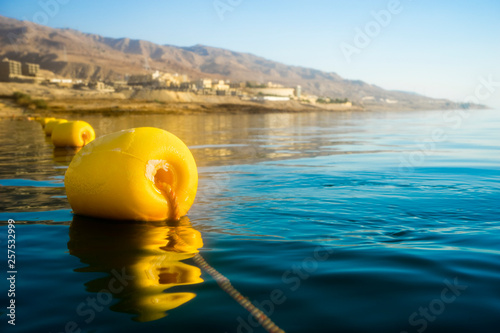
column 445, row 48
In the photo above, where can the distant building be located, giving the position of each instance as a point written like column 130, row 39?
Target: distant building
column 100, row 86
column 140, row 80
column 274, row 85
column 97, row 85
column 204, row 84
column 282, row 92
column 29, row 69
column 158, row 80
column 221, row 85
column 298, row 92
column 239, row 85
column 173, row 81
column 187, row 86
column 271, row 98
column 155, row 75
column 118, row 84
column 61, row 82
column 14, row 71
column 9, row 69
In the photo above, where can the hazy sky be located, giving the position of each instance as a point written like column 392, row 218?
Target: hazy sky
column 446, row 48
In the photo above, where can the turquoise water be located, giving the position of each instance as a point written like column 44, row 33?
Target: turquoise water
column 330, row 222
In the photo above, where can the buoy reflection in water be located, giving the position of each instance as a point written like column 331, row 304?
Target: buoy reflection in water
column 64, row 155
column 147, row 257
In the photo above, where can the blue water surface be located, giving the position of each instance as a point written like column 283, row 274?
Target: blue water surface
column 328, row 222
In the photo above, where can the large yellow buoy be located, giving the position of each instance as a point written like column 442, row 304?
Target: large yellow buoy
column 49, row 127
column 72, row 134
column 145, row 174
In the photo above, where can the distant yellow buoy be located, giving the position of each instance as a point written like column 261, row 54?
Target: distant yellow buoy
column 49, row 127
column 145, row 174
column 44, row 120
column 72, row 134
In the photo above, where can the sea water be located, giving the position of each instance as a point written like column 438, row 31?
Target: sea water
column 328, row 222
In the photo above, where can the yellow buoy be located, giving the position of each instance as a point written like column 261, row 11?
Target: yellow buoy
column 72, row 134
column 49, row 127
column 44, row 120
column 145, row 174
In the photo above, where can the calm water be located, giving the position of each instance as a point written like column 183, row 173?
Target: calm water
column 346, row 222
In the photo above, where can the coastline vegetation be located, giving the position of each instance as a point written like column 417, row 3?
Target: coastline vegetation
column 25, row 100
column 328, row 100
column 253, row 85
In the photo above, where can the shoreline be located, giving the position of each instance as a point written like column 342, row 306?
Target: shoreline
column 63, row 101
column 9, row 108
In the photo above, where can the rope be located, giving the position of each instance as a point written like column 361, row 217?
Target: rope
column 84, row 137
column 221, row 280
column 174, row 206
column 172, row 201
column 225, row 285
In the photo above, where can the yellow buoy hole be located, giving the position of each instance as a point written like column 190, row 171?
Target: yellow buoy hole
column 164, row 178
column 85, row 137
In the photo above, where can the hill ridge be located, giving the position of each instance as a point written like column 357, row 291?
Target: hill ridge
column 71, row 53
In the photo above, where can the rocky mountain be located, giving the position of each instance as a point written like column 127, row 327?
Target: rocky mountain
column 75, row 54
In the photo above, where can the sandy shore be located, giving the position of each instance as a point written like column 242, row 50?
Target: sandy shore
column 67, row 100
